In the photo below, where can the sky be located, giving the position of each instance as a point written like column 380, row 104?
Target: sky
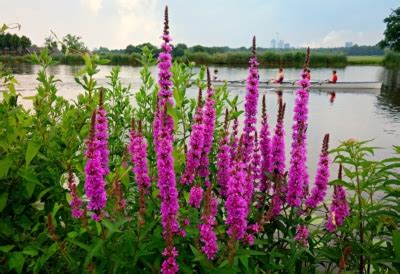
column 117, row 23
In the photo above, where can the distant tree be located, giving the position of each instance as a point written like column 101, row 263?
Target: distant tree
column 72, row 43
column 198, row 48
column 131, row 49
column 179, row 50
column 24, row 43
column 14, row 42
column 7, row 41
column 103, row 49
column 392, row 32
column 50, row 43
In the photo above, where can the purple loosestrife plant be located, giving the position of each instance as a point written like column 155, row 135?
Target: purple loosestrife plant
column 223, row 160
column 94, row 180
column 138, row 150
column 102, row 134
column 318, row 192
column 278, row 159
column 234, row 137
column 163, row 140
column 251, row 105
column 76, row 203
column 265, row 148
column 206, row 228
column 278, row 143
column 302, row 234
column 196, row 196
column 339, row 209
column 196, row 145
column 236, row 206
column 298, row 175
column 209, row 125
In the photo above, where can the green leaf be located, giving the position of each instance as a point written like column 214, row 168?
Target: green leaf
column 5, row 165
column 3, row 200
column 31, row 151
column 396, row 243
column 30, row 180
column 6, row 248
column 110, row 226
column 17, row 261
column 30, row 251
column 174, row 114
column 44, row 258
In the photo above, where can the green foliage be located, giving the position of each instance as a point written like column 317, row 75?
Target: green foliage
column 38, row 146
column 392, row 59
column 392, row 37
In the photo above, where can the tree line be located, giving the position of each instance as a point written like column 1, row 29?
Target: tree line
column 12, row 43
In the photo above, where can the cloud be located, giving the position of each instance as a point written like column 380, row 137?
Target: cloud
column 337, row 38
column 92, row 5
column 138, row 21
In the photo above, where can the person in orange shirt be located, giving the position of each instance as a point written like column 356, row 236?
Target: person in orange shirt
column 334, row 77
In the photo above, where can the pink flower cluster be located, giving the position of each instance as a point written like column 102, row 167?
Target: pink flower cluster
column 96, row 166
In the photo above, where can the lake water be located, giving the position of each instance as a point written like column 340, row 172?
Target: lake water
column 359, row 115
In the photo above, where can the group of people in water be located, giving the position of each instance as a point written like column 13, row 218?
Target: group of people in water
column 280, row 76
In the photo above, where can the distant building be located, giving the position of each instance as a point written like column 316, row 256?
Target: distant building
column 286, row 46
column 280, row 44
column 273, row 44
column 348, row 44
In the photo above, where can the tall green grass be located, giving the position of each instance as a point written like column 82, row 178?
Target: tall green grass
column 392, row 59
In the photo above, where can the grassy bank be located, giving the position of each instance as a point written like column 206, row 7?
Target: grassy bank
column 365, row 60
column 284, row 59
column 274, row 59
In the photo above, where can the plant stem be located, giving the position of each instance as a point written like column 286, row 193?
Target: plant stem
column 360, row 216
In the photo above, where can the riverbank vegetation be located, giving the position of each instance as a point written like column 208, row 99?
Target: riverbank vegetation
column 169, row 183
column 392, row 59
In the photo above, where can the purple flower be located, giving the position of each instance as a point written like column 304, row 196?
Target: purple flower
column 278, row 143
column 138, row 151
column 206, row 228
column 298, row 175
column 339, row 207
column 251, row 105
column 169, row 265
column 321, row 179
column 101, row 134
column 196, row 146
column 302, row 234
column 265, row 148
column 223, row 161
column 256, row 163
column 196, row 196
column 76, row 203
column 209, row 124
column 234, row 137
column 236, row 205
column 94, row 172
column 163, row 141
column 278, row 160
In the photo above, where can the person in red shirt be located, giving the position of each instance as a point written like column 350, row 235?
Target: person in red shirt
column 334, row 77
column 308, row 75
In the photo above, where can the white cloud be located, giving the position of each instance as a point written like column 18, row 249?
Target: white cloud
column 139, row 21
column 92, row 5
column 337, row 38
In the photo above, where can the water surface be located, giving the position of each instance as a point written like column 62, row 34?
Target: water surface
column 360, row 114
